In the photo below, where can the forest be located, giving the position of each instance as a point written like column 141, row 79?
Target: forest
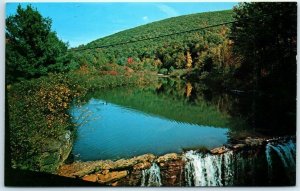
column 252, row 51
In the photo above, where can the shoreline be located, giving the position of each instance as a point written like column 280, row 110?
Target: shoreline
column 128, row 172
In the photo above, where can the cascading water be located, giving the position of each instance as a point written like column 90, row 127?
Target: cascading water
column 243, row 167
column 151, row 176
column 208, row 170
column 286, row 152
column 235, row 168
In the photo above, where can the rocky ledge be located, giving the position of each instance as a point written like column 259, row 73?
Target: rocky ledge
column 125, row 172
column 128, row 172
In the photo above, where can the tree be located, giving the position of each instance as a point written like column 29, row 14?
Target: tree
column 265, row 36
column 189, row 60
column 32, row 49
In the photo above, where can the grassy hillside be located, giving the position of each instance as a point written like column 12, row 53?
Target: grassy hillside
column 167, row 26
column 166, row 53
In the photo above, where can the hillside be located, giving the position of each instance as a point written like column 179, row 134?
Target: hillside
column 167, row 26
column 164, row 54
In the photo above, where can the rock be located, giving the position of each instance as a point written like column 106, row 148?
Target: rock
column 167, row 157
column 48, row 162
column 238, row 146
column 51, row 145
column 129, row 163
column 48, row 168
column 132, row 179
column 172, row 172
column 114, row 184
column 107, row 165
column 146, row 157
column 219, row 150
column 105, row 172
column 254, row 141
column 141, row 166
column 111, row 176
column 123, row 164
column 90, row 178
column 81, row 169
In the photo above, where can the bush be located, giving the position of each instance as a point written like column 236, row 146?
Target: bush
column 163, row 71
column 38, row 111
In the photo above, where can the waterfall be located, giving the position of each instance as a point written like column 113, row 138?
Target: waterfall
column 228, row 168
column 208, row 170
column 245, row 167
column 269, row 161
column 151, row 176
column 286, row 153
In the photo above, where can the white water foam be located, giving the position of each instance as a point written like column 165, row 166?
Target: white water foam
column 208, row 170
column 151, row 176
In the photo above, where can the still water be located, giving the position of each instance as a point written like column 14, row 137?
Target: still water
column 113, row 132
column 126, row 122
column 181, row 117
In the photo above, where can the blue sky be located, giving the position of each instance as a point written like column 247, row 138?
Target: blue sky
column 80, row 23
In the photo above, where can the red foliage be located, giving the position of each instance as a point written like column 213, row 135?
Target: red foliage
column 130, row 60
column 113, row 72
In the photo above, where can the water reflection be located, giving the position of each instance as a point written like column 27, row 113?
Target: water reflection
column 172, row 115
column 121, row 132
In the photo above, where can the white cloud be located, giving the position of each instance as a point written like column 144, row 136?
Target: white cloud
column 169, row 11
column 145, row 18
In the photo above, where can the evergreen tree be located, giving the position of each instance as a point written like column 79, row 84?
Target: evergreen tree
column 32, row 49
column 265, row 36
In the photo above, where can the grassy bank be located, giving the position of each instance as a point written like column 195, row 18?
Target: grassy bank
column 38, row 112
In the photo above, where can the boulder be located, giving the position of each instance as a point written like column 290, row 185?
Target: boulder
column 172, row 172
column 79, row 169
column 48, row 162
column 167, row 157
column 141, row 166
column 238, row 146
column 254, row 141
column 111, row 176
column 114, row 184
column 219, row 150
column 132, row 179
column 129, row 163
column 105, row 172
column 90, row 178
column 51, row 145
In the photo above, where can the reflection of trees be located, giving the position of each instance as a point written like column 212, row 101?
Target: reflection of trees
column 200, row 94
column 189, row 89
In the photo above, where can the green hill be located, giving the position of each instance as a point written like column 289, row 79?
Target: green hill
column 167, row 26
column 165, row 53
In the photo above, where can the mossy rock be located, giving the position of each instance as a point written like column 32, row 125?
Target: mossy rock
column 49, row 161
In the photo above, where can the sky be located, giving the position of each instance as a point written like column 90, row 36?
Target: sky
column 81, row 23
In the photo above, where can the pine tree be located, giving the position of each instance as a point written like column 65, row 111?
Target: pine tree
column 32, row 49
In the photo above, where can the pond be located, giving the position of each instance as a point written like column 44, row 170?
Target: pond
column 114, row 131
column 169, row 116
column 126, row 122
